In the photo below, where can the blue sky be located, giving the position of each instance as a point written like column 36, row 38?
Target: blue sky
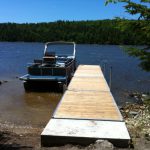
column 22, row 11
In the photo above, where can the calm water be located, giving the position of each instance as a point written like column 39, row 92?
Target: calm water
column 35, row 109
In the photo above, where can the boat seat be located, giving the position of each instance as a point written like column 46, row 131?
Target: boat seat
column 50, row 54
column 49, row 57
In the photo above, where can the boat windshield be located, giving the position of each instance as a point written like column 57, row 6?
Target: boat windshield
column 60, row 49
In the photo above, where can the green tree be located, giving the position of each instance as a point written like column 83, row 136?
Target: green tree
column 140, row 28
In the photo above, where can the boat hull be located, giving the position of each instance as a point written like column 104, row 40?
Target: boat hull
column 44, row 86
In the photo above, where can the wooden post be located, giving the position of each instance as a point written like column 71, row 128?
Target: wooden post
column 64, row 88
column 104, row 68
column 110, row 78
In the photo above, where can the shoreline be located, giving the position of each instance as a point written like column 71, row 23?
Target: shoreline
column 136, row 115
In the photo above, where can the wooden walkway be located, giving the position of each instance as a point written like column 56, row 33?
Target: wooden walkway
column 88, row 98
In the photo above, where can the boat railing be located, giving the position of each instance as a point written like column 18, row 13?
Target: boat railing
column 61, row 43
column 70, row 69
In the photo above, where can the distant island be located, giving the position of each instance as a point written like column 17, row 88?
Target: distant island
column 92, row 32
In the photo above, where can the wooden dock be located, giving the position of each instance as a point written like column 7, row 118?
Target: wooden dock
column 86, row 112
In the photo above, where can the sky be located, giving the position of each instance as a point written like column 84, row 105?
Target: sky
column 34, row 11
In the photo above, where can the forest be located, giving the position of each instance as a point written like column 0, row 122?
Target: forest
column 92, row 32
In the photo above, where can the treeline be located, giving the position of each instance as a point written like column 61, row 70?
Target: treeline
column 100, row 32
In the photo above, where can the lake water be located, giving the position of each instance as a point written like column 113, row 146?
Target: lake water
column 33, row 108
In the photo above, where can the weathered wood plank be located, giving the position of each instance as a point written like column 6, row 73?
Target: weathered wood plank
column 88, row 84
column 88, row 71
column 85, row 132
column 88, row 105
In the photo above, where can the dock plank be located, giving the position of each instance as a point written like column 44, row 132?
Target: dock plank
column 88, row 97
column 88, row 105
column 88, row 71
column 88, row 84
column 85, row 132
